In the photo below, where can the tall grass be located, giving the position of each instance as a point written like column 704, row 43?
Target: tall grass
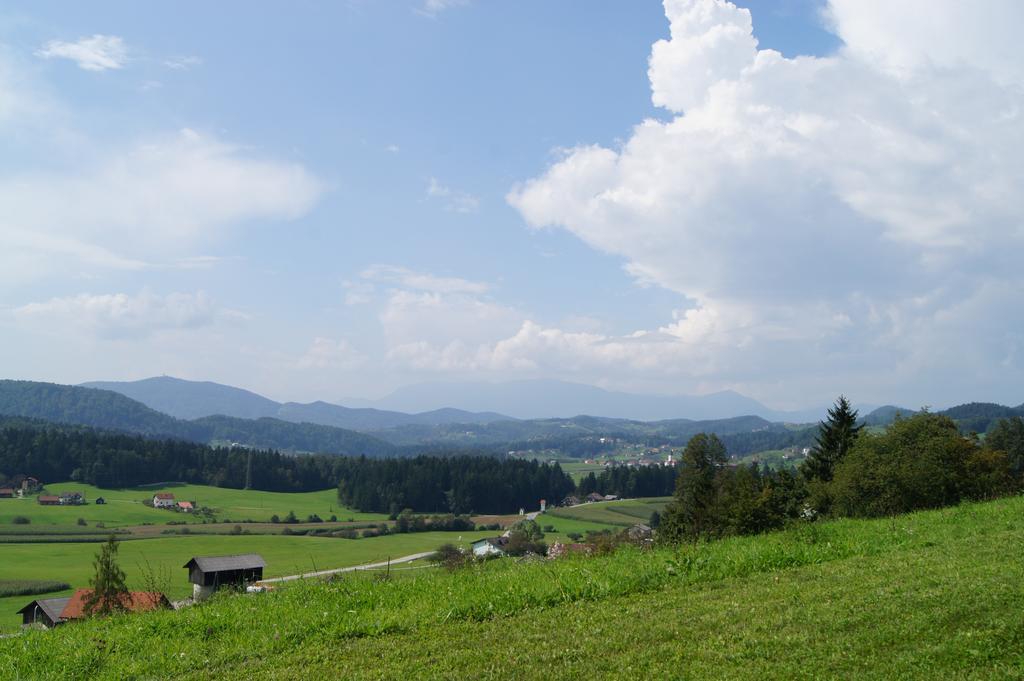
column 231, row 629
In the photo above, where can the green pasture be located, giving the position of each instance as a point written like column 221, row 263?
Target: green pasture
column 622, row 513
column 72, row 563
column 124, row 506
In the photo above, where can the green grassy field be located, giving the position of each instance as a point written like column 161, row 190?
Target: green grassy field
column 72, row 563
column 579, row 470
column 622, row 513
column 125, row 507
column 933, row 595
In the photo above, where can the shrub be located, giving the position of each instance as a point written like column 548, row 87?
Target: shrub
column 313, row 518
column 237, row 529
column 275, row 519
column 334, row 518
column 81, row 522
column 20, row 520
column 450, row 557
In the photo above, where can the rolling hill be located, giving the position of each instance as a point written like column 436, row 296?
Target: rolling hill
column 112, row 411
column 196, row 399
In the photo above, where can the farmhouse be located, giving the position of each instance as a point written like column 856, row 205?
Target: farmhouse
column 6, row 493
column 208, row 573
column 43, row 612
column 27, row 483
column 48, row 500
column 72, row 499
column 133, row 601
column 185, row 506
column 640, row 533
column 163, row 500
column 50, row 612
column 492, row 546
column 594, row 496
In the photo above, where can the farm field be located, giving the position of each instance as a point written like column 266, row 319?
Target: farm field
column 622, row 513
column 924, row 596
column 72, row 563
column 579, row 470
column 124, row 507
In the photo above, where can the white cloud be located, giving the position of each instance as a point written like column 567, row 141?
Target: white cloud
column 327, row 353
column 421, row 281
column 183, row 63
column 121, row 315
column 165, row 196
column 808, row 206
column 454, row 201
column 93, row 53
column 432, row 8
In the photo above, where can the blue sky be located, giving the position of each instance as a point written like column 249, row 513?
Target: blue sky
column 335, row 199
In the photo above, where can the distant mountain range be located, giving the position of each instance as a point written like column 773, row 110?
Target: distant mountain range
column 537, row 399
column 109, row 410
column 374, row 432
column 196, row 399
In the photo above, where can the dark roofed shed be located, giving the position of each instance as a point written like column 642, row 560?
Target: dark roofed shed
column 222, row 570
column 45, row 611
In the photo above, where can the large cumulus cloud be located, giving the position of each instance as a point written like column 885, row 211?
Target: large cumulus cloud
column 857, row 215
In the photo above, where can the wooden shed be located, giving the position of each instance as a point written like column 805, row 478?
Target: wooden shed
column 44, row 612
column 208, row 573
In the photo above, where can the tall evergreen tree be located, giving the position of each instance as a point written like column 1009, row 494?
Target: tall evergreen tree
column 835, row 439
column 690, row 515
column 109, row 593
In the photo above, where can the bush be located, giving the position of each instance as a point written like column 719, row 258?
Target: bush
column 275, row 519
column 20, row 520
column 81, row 522
column 450, row 557
column 549, row 528
column 313, row 518
column 237, row 529
column 334, row 519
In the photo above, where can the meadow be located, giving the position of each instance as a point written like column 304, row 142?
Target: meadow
column 124, row 507
column 72, row 562
column 621, row 513
column 928, row 595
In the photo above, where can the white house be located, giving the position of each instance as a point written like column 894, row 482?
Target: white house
column 492, row 546
column 163, row 500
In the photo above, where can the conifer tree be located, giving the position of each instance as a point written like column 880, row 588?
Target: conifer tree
column 109, row 593
column 835, row 438
column 690, row 515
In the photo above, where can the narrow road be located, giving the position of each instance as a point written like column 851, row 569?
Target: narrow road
column 353, row 568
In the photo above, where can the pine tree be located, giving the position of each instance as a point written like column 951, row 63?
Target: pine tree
column 109, row 593
column 690, row 515
column 834, row 440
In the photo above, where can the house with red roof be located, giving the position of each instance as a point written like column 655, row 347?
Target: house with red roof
column 163, row 500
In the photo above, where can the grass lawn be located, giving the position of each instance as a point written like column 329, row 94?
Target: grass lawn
column 622, row 513
column 933, row 595
column 124, row 507
column 72, row 563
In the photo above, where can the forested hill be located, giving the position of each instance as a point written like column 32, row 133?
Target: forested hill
column 109, row 410
column 445, row 482
column 972, row 417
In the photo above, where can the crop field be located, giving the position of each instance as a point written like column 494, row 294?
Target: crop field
column 579, row 470
column 924, row 596
column 124, row 507
column 622, row 513
column 72, row 563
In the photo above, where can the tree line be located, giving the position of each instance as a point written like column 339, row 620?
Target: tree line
column 444, row 482
column 916, row 463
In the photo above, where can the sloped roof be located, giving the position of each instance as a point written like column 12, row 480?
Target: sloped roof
column 163, row 495
column 244, row 561
column 133, row 601
column 53, row 607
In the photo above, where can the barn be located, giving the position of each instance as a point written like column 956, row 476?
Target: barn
column 209, row 573
column 45, row 612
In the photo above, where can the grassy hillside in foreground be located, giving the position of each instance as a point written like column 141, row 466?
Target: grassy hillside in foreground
column 930, row 595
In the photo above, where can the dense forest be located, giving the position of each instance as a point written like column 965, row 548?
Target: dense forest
column 627, row 481
column 449, row 484
column 444, row 482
